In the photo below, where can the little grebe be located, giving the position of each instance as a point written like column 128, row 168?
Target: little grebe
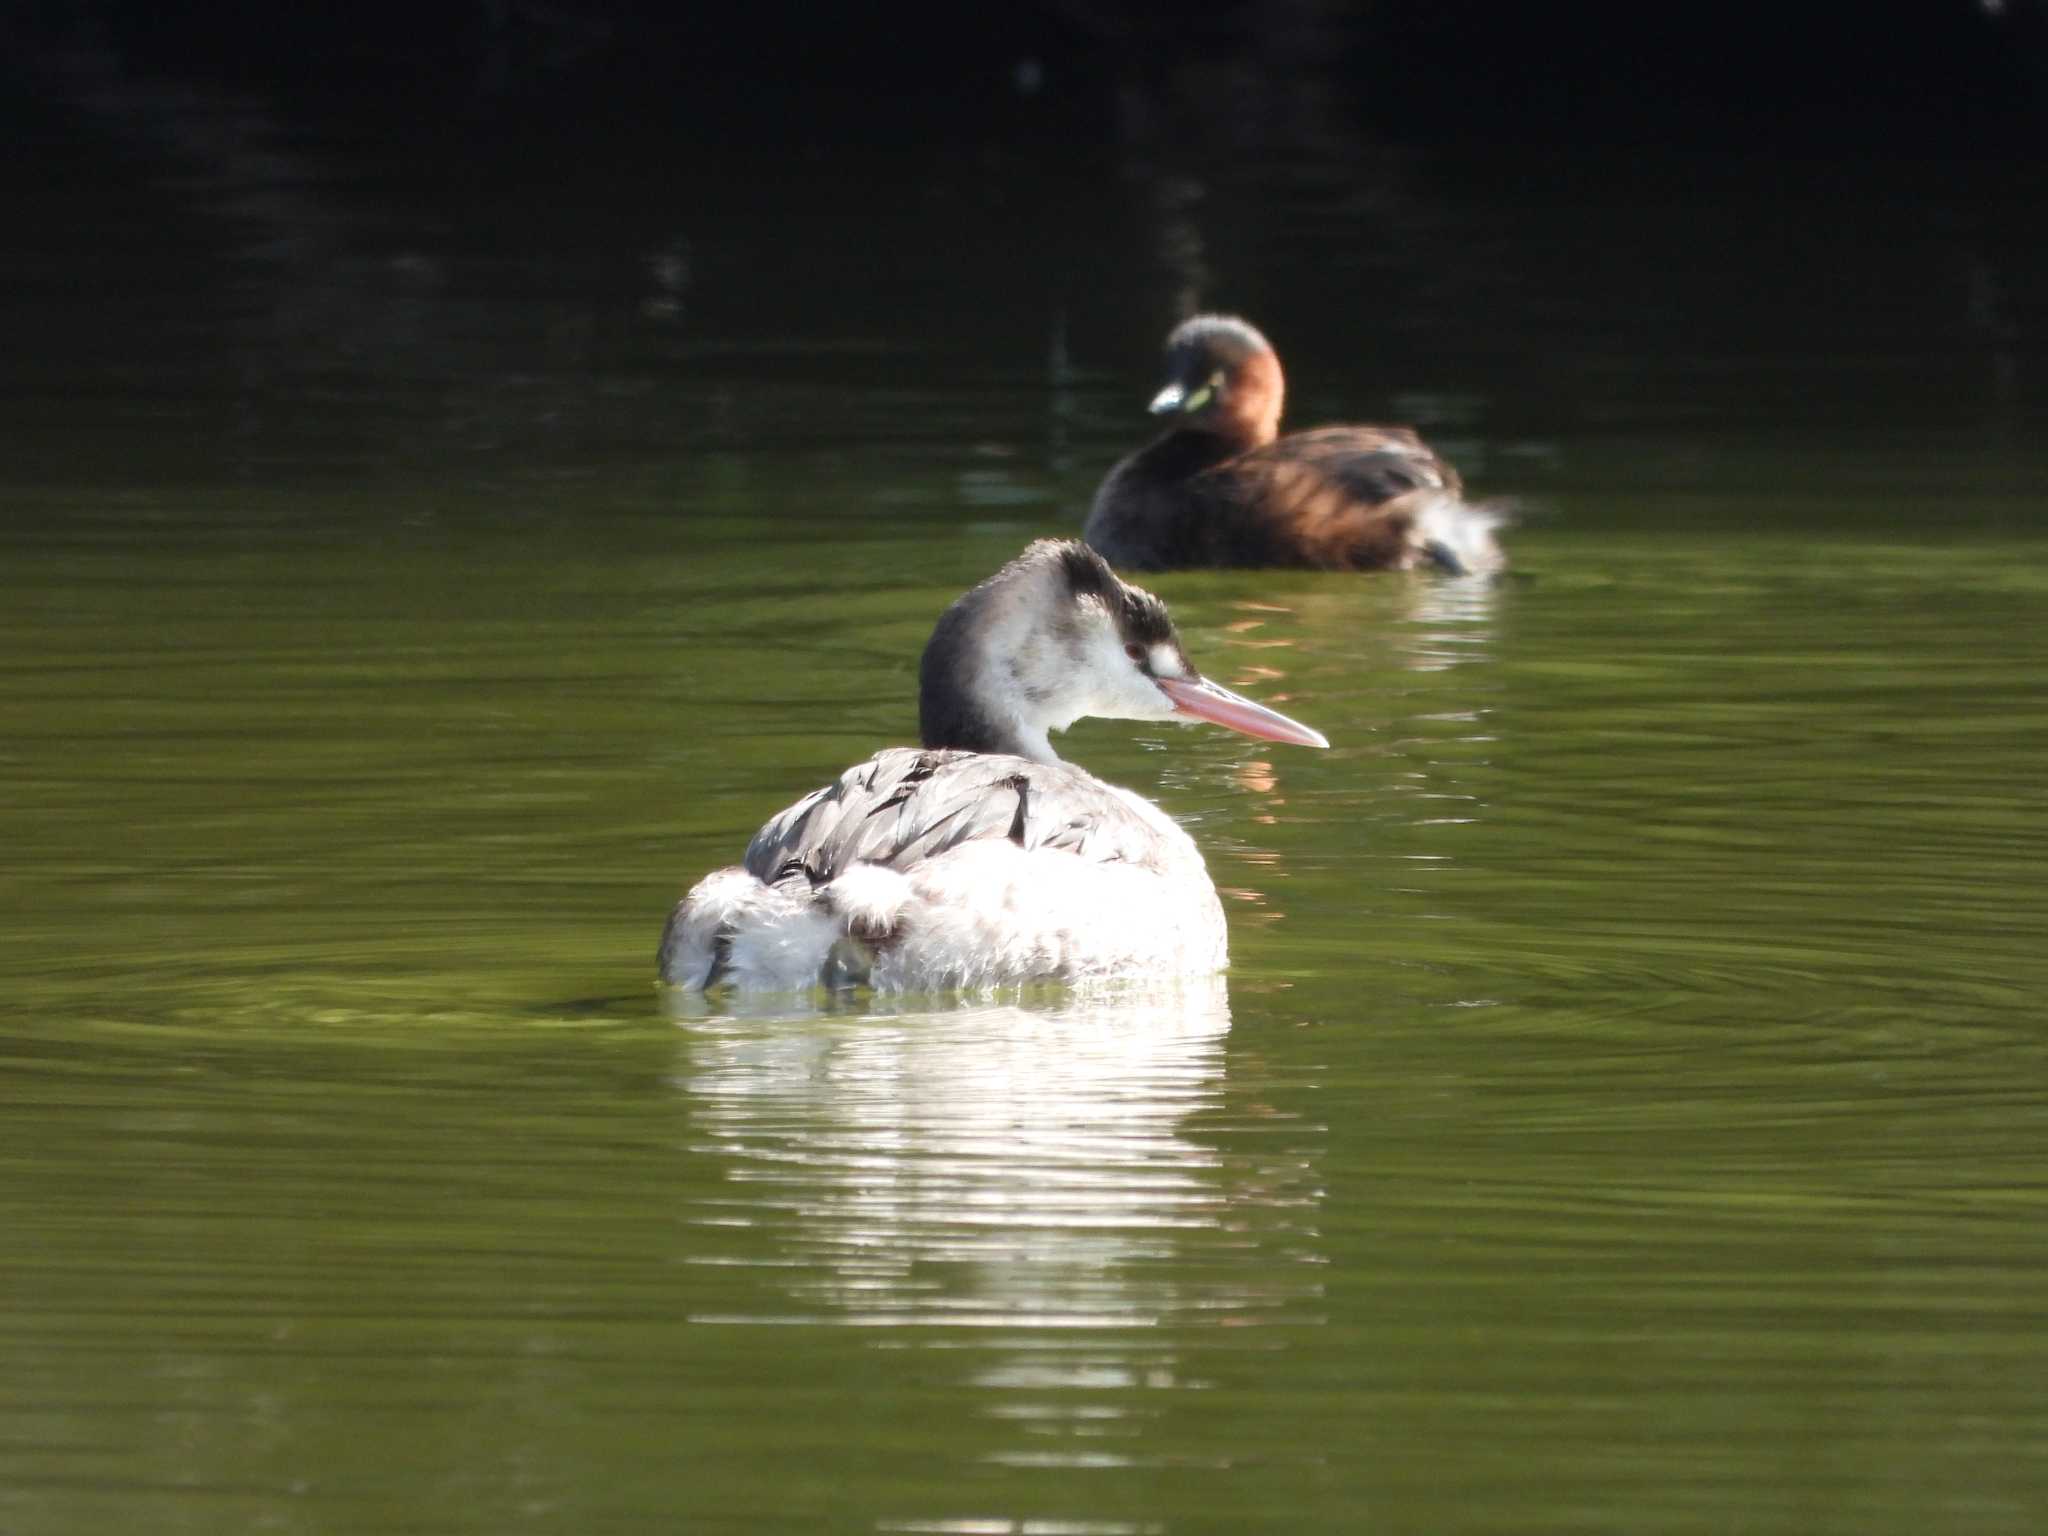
column 1221, row 487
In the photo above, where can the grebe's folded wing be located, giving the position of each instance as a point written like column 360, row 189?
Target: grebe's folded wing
column 906, row 805
column 1342, row 498
column 1371, row 464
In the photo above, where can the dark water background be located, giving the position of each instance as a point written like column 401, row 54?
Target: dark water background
column 1626, row 1108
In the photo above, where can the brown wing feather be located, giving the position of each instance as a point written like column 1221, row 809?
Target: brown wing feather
column 1341, row 498
column 1373, row 463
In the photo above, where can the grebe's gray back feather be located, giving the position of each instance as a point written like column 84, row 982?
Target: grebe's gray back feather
column 906, row 805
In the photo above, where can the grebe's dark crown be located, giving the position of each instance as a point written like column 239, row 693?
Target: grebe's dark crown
column 1140, row 617
column 1224, row 338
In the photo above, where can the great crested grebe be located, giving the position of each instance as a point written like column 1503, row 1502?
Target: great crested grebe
column 1220, row 487
column 981, row 858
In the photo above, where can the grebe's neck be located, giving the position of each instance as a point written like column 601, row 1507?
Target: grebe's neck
column 949, row 717
column 1251, row 409
column 978, row 684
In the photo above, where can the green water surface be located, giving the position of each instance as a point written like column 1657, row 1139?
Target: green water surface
column 1625, row 1110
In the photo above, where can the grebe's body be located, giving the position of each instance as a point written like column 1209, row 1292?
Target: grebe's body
column 921, row 870
column 980, row 858
column 1221, row 487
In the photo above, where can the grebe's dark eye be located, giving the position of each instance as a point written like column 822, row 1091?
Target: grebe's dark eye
column 1136, row 652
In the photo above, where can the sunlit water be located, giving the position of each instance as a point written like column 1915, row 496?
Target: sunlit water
column 1625, row 1110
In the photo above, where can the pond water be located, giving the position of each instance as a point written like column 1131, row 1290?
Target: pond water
column 1626, row 1106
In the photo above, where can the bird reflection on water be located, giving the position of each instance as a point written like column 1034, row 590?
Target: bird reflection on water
column 1054, row 1192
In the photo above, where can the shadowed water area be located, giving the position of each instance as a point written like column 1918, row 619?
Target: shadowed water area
column 1625, row 1110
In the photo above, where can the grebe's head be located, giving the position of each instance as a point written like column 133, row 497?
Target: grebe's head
column 1056, row 635
column 1222, row 376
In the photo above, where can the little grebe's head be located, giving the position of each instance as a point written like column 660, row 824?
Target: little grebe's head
column 1223, row 377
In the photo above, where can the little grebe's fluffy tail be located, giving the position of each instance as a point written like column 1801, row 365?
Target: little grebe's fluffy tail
column 1457, row 535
